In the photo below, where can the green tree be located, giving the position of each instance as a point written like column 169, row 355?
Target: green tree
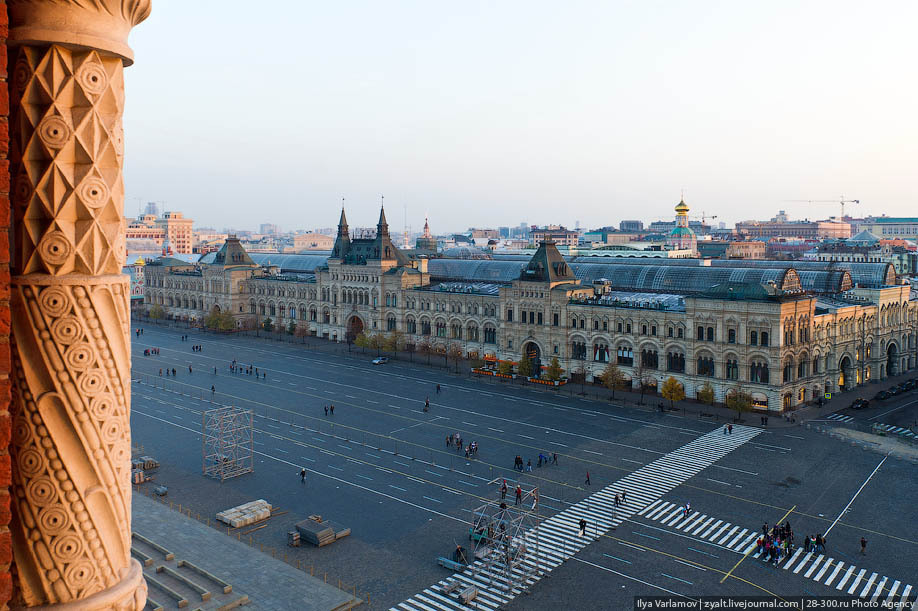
column 477, row 363
column 302, row 330
column 376, row 342
column 267, row 324
column 525, row 367
column 291, row 327
column 739, row 401
column 672, row 390
column 156, row 312
column 705, row 394
column 612, row 377
column 219, row 321
column 395, row 342
column 505, row 367
column 554, row 370
column 362, row 341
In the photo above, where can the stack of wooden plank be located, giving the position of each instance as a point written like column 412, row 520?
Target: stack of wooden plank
column 245, row 514
column 321, row 533
column 149, row 463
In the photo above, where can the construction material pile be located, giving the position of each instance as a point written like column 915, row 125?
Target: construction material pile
column 320, row 532
column 245, row 514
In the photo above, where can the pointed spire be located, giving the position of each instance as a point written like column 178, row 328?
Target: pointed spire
column 342, row 222
column 426, row 228
column 382, row 227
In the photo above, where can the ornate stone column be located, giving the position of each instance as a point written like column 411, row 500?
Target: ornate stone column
column 71, row 491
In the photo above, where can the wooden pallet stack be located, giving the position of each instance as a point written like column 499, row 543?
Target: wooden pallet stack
column 320, row 532
column 245, row 514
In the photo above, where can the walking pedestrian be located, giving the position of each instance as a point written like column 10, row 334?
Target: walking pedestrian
column 540, row 460
column 582, row 525
column 863, row 546
column 160, row 373
column 326, row 410
column 587, row 482
column 303, row 475
column 529, row 466
column 615, row 501
column 519, row 495
column 503, row 490
column 725, row 429
column 448, row 441
column 554, row 458
column 189, row 369
column 173, row 372
column 438, row 389
column 624, row 492
column 730, row 428
column 213, row 391
column 215, row 371
column 331, row 408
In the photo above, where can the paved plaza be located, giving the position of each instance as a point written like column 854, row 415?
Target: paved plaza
column 381, row 466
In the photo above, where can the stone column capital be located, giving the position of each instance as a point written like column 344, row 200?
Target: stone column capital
column 102, row 25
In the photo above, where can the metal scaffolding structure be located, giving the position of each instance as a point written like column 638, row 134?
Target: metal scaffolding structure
column 506, row 540
column 228, row 448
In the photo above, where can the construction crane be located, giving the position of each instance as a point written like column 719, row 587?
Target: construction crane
column 841, row 200
column 704, row 216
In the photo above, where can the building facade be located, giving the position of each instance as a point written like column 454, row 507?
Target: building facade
column 785, row 336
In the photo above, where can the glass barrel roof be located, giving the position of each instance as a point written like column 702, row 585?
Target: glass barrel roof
column 475, row 270
column 862, row 274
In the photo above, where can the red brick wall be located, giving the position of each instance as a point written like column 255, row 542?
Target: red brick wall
column 5, row 542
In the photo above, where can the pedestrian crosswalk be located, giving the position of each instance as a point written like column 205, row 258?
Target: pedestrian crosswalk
column 558, row 537
column 813, row 565
column 840, row 418
column 897, row 430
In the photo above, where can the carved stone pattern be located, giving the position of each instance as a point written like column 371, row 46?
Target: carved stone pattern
column 71, row 489
column 67, row 156
column 71, row 436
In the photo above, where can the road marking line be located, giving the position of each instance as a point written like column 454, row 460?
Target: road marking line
column 857, row 580
column 592, row 452
column 676, row 578
column 397, row 488
column 691, row 565
column 617, row 558
column 497, row 430
column 335, row 468
column 842, row 583
column 364, row 476
column 433, row 499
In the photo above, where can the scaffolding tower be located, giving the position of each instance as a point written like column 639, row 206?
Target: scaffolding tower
column 506, row 539
column 228, row 448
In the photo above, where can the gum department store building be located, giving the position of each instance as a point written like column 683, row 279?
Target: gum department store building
column 786, row 332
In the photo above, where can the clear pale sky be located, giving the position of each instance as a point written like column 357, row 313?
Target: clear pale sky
column 483, row 113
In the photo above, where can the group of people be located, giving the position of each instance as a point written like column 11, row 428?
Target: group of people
column 197, row 348
column 777, row 542
column 728, row 429
column 167, row 372
column 138, row 332
column 150, row 351
column 455, row 440
column 543, row 459
column 247, row 369
column 330, row 409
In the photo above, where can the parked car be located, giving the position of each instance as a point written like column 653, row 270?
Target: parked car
column 860, row 404
column 882, row 396
column 381, row 360
column 910, row 385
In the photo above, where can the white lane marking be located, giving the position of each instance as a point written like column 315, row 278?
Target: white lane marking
column 433, row 499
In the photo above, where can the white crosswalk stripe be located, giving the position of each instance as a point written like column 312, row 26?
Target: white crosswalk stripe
column 840, row 418
column 897, row 430
column 559, row 536
column 811, row 565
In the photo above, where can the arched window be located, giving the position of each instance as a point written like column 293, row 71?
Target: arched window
column 710, row 334
column 455, row 331
column 441, row 328
column 732, row 370
column 425, row 327
column 600, row 352
column 649, row 358
column 675, row 361
column 758, row 372
column 490, row 335
column 705, row 366
column 625, row 355
column 753, row 338
column 412, row 325
column 578, row 350
column 471, row 332
column 764, row 339
column 390, row 323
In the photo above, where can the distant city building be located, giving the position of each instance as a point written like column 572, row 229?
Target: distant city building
column 426, row 244
column 751, row 249
column 558, row 234
column 268, row 229
column 891, row 227
column 145, row 228
column 781, row 227
column 135, row 272
column 312, row 241
column 177, row 230
column 631, row 226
